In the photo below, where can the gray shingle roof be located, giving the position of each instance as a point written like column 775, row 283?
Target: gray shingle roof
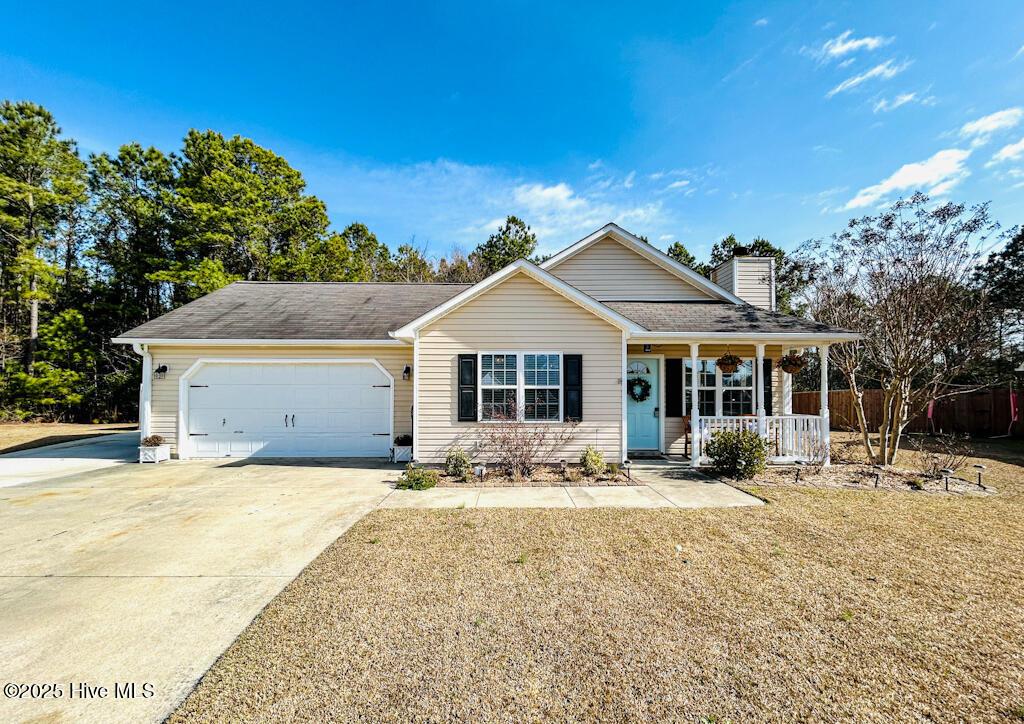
column 713, row 317
column 298, row 310
column 356, row 311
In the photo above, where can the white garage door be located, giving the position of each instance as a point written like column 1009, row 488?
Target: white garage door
column 325, row 409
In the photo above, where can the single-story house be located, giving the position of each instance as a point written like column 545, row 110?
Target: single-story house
column 610, row 333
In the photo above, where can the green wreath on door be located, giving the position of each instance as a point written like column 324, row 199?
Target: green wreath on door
column 639, row 389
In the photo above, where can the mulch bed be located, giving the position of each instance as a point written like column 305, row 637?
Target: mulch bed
column 545, row 477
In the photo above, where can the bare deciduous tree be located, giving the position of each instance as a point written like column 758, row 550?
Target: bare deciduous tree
column 904, row 280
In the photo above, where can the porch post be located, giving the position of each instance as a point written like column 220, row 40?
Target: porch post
column 787, row 386
column 823, row 405
column 694, row 406
column 762, row 424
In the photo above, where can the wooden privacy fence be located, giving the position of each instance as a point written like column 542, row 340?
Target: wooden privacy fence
column 983, row 413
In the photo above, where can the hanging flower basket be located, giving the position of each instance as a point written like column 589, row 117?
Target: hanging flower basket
column 639, row 389
column 728, row 363
column 792, row 363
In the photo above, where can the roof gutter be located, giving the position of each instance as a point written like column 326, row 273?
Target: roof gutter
column 752, row 337
column 259, row 342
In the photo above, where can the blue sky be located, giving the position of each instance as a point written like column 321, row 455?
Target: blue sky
column 678, row 120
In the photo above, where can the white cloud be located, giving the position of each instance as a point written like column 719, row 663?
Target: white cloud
column 761, row 22
column 665, row 237
column 848, row 62
column 884, row 105
column 1020, row 52
column 936, row 175
column 630, row 178
column 595, row 165
column 885, row 70
column 677, row 185
column 980, row 130
column 845, row 44
column 1009, row 152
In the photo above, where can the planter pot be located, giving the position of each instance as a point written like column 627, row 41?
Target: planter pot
column 401, row 454
column 155, row 454
column 792, row 369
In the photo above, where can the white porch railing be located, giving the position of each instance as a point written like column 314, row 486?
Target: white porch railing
column 790, row 437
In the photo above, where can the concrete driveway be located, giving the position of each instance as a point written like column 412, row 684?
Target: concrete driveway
column 68, row 458
column 145, row 574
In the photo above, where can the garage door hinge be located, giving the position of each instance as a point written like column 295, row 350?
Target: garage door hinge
column 198, row 385
column 198, row 434
column 382, row 385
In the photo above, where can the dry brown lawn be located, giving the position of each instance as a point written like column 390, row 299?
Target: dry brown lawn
column 16, row 436
column 822, row 605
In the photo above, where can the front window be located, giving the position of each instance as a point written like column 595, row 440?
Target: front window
column 498, row 386
column 706, row 392
column 738, row 390
column 542, row 386
column 527, row 386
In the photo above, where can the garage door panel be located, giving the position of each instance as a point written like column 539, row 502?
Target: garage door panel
column 241, row 410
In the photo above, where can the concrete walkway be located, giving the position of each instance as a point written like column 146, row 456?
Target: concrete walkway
column 68, row 458
column 665, row 485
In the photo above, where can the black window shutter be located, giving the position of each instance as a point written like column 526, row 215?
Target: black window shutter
column 467, row 388
column 572, row 388
column 673, row 387
column 767, row 368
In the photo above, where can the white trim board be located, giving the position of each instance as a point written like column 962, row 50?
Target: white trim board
column 171, row 341
column 184, row 443
column 649, row 252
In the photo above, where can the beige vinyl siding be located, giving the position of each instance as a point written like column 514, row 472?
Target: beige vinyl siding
column 753, row 276
column 748, row 277
column 518, row 315
column 672, row 427
column 164, row 406
column 607, row 270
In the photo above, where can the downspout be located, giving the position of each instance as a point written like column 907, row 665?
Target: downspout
column 145, row 388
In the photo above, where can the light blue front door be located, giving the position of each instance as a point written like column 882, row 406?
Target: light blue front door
column 642, row 423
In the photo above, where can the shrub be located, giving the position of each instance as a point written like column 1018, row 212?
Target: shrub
column 738, row 454
column 592, row 461
column 152, row 441
column 517, row 447
column 403, row 440
column 418, row 478
column 457, row 464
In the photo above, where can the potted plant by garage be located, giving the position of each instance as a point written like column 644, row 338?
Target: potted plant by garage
column 728, row 363
column 154, row 450
column 402, row 451
column 792, row 363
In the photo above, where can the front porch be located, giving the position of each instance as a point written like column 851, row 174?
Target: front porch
column 673, row 420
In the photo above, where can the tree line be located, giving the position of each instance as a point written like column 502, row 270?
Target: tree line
column 91, row 247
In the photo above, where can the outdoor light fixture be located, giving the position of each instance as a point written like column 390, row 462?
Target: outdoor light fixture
column 979, row 467
column 878, row 474
column 407, row 372
column 647, row 348
column 160, row 372
column 563, row 464
column 626, row 464
column 946, row 472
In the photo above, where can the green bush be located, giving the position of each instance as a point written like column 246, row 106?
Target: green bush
column 592, row 461
column 418, row 478
column 738, row 454
column 457, row 464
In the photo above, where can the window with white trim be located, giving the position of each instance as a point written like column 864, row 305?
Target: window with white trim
column 532, row 391
column 499, row 383
column 738, row 390
column 707, row 387
column 542, row 386
column 721, row 393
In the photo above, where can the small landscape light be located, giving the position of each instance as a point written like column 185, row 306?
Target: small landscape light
column 626, row 465
column 878, row 474
column 979, row 467
column 946, row 472
column 563, row 465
